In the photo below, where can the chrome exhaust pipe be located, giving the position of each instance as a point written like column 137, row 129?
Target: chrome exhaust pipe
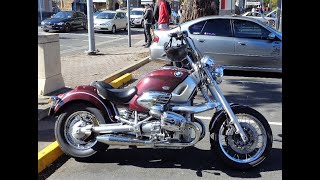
column 197, row 109
column 121, row 141
column 126, row 141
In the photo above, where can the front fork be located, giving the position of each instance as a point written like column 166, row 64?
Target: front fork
column 217, row 93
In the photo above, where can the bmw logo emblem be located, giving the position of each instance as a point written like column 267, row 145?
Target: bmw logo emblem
column 178, row 73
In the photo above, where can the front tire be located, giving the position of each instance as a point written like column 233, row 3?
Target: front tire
column 67, row 28
column 228, row 146
column 75, row 116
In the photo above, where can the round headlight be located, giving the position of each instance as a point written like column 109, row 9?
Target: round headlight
column 60, row 23
column 42, row 23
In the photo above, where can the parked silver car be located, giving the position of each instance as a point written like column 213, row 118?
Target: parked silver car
column 236, row 42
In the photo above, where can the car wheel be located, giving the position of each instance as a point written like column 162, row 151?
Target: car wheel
column 85, row 26
column 67, row 28
column 46, row 30
column 114, row 29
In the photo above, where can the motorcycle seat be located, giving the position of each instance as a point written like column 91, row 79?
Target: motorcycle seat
column 122, row 96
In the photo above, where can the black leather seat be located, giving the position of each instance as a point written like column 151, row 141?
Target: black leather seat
column 122, row 96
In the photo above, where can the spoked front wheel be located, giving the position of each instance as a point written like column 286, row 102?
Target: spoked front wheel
column 228, row 145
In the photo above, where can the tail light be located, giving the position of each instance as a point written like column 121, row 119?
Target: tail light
column 156, row 39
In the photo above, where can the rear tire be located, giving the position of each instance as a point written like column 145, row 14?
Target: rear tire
column 85, row 26
column 114, row 29
column 67, row 28
column 66, row 123
column 232, row 151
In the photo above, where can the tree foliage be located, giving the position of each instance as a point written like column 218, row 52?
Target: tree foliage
column 193, row 9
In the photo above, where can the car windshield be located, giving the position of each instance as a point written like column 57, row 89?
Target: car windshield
column 106, row 15
column 63, row 15
column 96, row 13
column 136, row 12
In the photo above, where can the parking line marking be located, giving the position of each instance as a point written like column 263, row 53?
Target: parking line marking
column 86, row 47
column 209, row 118
column 113, row 37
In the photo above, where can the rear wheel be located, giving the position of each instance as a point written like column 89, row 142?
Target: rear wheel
column 85, row 26
column 68, row 124
column 229, row 147
column 114, row 29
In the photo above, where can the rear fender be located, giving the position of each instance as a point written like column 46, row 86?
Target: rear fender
column 86, row 94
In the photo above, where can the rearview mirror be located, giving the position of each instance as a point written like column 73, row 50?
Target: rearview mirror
column 271, row 36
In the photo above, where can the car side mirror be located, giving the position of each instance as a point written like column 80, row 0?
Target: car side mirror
column 271, row 36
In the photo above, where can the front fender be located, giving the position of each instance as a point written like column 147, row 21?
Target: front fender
column 220, row 114
column 85, row 94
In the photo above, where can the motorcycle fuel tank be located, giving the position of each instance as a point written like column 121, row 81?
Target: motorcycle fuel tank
column 165, row 79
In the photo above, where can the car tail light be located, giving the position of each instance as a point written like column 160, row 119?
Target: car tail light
column 156, row 39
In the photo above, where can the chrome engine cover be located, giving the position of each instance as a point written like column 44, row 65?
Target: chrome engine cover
column 172, row 121
column 151, row 98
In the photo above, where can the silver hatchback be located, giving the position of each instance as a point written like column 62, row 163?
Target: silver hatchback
column 236, row 42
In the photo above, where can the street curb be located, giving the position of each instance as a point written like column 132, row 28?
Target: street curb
column 47, row 155
column 121, row 80
column 52, row 152
column 127, row 69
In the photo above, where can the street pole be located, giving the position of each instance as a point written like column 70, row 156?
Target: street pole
column 92, row 48
column 279, row 2
column 129, row 24
column 40, row 9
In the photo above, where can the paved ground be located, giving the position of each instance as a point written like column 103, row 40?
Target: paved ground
column 263, row 94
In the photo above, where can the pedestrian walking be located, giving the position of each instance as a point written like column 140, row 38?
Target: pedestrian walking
column 148, row 15
column 162, row 12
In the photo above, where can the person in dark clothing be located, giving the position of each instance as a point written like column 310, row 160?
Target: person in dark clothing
column 156, row 11
column 148, row 15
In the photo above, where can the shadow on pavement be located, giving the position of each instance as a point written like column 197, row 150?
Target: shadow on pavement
column 201, row 161
column 255, row 93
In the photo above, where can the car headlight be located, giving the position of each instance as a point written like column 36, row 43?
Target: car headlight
column 60, row 23
column 42, row 23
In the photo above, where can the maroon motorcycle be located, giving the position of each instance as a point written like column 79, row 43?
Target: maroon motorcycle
column 160, row 112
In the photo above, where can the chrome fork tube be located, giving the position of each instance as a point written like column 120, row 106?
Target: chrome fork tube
column 217, row 93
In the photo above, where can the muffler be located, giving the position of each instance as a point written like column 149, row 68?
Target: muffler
column 121, row 140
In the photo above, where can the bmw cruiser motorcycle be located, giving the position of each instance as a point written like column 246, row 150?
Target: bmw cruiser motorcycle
column 160, row 112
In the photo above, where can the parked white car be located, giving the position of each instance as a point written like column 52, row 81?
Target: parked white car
column 271, row 21
column 110, row 21
column 136, row 17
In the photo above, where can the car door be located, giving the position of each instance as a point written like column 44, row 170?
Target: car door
column 253, row 47
column 214, row 38
column 117, row 20
column 123, row 19
column 82, row 19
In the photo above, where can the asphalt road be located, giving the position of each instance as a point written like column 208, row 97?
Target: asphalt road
column 77, row 41
column 262, row 93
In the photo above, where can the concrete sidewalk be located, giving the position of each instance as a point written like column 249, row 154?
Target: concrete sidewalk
column 81, row 69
